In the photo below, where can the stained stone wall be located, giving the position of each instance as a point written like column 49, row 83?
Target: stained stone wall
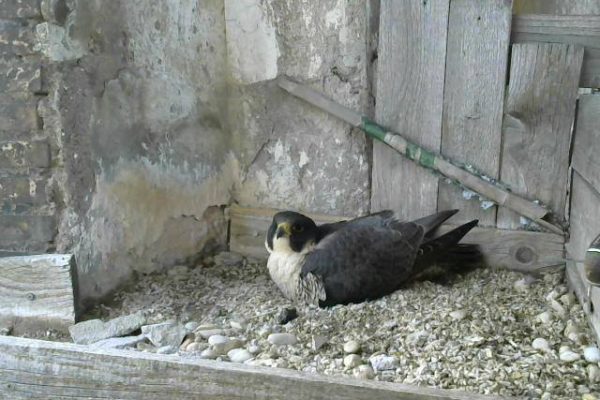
column 127, row 125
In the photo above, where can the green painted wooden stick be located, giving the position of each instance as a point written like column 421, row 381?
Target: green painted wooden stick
column 423, row 157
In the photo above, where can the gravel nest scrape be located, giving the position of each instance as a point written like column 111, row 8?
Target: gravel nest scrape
column 475, row 334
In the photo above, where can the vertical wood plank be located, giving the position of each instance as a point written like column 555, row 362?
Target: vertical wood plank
column 410, row 85
column 477, row 54
column 585, row 214
column 586, row 147
column 541, row 100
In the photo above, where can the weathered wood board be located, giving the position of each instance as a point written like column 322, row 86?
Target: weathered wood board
column 46, row 370
column 476, row 61
column 541, row 101
column 581, row 30
column 37, row 292
column 585, row 216
column 517, row 250
column 557, row 7
column 586, row 146
column 591, row 304
column 410, row 89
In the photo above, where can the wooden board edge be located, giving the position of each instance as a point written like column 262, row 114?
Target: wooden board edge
column 51, row 366
column 577, row 284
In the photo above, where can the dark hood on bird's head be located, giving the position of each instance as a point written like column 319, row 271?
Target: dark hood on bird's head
column 298, row 228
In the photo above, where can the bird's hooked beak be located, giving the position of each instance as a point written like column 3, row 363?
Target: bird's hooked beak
column 283, row 229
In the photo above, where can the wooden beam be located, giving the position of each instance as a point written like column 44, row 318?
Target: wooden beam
column 476, row 62
column 542, row 94
column 410, row 90
column 585, row 214
column 37, row 292
column 588, row 298
column 516, row 250
column 586, row 147
column 581, row 30
column 39, row 369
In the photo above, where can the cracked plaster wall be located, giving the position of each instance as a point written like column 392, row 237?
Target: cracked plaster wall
column 165, row 110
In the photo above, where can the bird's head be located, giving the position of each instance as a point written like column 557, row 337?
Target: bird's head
column 291, row 232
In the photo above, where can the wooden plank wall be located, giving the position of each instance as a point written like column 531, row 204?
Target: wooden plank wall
column 542, row 95
column 583, row 30
column 476, row 62
column 410, row 90
column 47, row 370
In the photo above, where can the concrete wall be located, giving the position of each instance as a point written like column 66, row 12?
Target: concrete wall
column 155, row 113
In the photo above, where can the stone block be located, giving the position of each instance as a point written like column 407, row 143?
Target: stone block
column 17, row 37
column 26, row 232
column 11, row 9
column 18, row 113
column 25, row 154
column 20, row 75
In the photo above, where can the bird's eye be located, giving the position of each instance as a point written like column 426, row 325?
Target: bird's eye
column 297, row 228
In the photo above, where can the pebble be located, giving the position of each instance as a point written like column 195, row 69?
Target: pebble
column 239, row 355
column 254, row 348
column 166, row 350
column 193, row 347
column 558, row 308
column 352, row 361
column 364, row 372
column 458, row 315
column 188, row 340
column 591, row 354
column 567, row 355
column 238, row 324
column 319, row 341
column 567, row 299
column 209, row 354
column 205, row 334
column 94, row 330
column 191, row 326
column 588, row 396
column 546, row 396
column 286, row 315
column 217, row 339
column 545, row 317
column 351, row 347
column 522, row 285
column 575, row 337
column 593, row 373
column 282, row 339
column 383, row 362
column 540, row 344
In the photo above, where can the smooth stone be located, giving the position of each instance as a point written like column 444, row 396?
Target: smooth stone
column 591, row 354
column 458, row 315
column 238, row 324
column 217, row 339
column 568, row 355
column 195, row 346
column 166, row 350
column 282, row 339
column 575, row 337
column 352, row 361
column 165, row 334
column 540, row 344
column 545, row 317
column 188, row 340
column 364, row 372
column 254, row 349
column 558, row 308
column 264, row 331
column 593, row 373
column 567, row 299
column 239, row 355
column 191, row 326
column 209, row 354
column 205, row 334
column 351, row 347
column 384, row 362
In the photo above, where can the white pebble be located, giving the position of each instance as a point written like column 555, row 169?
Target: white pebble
column 575, row 337
column 352, row 361
column 208, row 332
column 540, row 344
column 239, row 355
column 217, row 339
column 384, row 362
column 351, row 347
column 558, row 308
column 522, row 285
column 195, row 346
column 567, row 299
column 191, row 326
column 593, row 373
column 568, row 355
column 319, row 341
column 238, row 324
column 166, row 350
column 545, row 318
column 364, row 372
column 591, row 354
column 209, row 354
column 458, row 315
column 282, row 339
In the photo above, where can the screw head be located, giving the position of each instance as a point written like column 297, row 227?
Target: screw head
column 30, row 296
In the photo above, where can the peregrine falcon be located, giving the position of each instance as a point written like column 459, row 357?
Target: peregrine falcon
column 363, row 258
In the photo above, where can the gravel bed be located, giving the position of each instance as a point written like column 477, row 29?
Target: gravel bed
column 489, row 331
